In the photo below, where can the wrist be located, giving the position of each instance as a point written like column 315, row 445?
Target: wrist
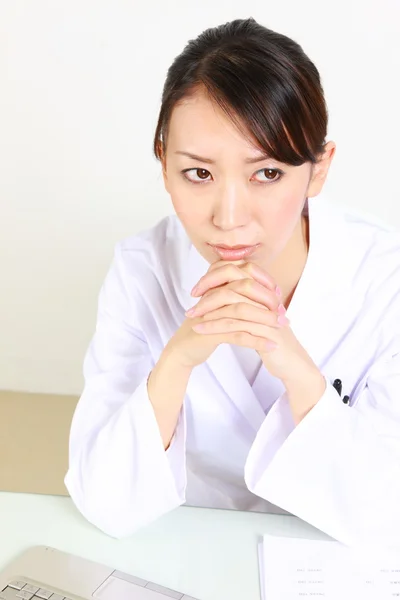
column 304, row 393
column 166, row 387
column 170, row 362
column 309, row 379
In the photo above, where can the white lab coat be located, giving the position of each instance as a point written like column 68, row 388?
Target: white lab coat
column 235, row 445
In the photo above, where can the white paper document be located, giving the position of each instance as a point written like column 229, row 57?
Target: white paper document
column 297, row 569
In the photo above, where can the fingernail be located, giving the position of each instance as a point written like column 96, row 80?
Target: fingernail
column 278, row 291
column 194, row 290
column 190, row 312
column 282, row 320
column 281, row 309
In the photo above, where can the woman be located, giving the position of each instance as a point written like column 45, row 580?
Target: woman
column 211, row 378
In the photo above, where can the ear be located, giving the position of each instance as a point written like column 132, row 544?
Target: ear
column 320, row 170
column 162, row 157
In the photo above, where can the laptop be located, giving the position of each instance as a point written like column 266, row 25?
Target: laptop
column 43, row 573
column 34, row 442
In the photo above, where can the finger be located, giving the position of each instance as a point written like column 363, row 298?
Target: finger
column 244, row 290
column 251, row 289
column 220, row 275
column 230, row 300
column 244, row 311
column 219, row 263
column 228, row 325
column 218, row 299
column 260, row 275
column 247, row 340
column 227, row 272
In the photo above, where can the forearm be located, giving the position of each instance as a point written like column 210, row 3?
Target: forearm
column 166, row 388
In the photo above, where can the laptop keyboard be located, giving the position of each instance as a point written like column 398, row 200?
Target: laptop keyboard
column 19, row 590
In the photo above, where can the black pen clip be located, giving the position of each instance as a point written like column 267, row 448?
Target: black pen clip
column 337, row 384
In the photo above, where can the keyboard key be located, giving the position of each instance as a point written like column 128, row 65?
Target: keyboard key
column 17, row 585
column 24, row 595
column 30, row 588
column 44, row 594
column 57, row 597
column 9, row 594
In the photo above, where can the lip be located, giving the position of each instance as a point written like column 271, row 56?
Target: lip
column 234, row 252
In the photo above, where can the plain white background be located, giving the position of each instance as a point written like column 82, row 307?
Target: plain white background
column 80, row 85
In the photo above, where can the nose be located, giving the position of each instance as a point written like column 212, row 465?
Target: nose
column 231, row 208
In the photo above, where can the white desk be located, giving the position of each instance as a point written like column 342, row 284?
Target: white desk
column 209, row 554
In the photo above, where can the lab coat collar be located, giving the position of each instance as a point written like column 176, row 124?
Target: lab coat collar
column 323, row 294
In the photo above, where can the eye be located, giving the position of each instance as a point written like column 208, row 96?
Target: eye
column 267, row 175
column 197, row 175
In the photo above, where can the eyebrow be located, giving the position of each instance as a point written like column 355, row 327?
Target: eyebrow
column 250, row 160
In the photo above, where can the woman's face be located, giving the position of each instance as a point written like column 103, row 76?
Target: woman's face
column 226, row 193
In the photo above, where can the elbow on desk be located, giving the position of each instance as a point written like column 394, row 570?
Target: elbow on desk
column 106, row 516
column 96, row 511
column 116, row 516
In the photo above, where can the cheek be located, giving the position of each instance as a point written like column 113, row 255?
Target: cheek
column 289, row 213
column 279, row 221
column 281, row 214
column 192, row 212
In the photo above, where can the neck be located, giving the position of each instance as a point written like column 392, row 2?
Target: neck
column 289, row 266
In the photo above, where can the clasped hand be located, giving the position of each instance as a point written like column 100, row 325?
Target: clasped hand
column 240, row 304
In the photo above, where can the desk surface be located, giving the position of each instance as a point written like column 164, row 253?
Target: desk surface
column 209, row 554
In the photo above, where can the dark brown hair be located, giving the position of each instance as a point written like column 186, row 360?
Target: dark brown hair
column 262, row 80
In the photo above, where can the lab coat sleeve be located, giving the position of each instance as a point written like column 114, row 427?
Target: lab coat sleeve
column 120, row 477
column 339, row 469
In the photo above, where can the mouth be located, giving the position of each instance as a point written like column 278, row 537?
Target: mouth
column 233, row 252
